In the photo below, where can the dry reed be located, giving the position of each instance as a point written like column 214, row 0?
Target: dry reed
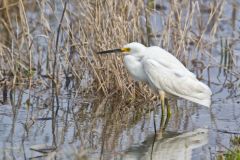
column 31, row 41
column 43, row 46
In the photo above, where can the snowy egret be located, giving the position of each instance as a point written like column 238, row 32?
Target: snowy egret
column 164, row 73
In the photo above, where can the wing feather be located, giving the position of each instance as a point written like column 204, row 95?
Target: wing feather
column 176, row 82
column 167, row 60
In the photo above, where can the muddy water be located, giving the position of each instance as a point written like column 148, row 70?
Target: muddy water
column 100, row 128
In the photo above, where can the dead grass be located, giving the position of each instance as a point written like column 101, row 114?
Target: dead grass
column 44, row 46
column 31, row 41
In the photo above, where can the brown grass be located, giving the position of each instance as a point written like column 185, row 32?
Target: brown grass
column 29, row 45
column 44, row 46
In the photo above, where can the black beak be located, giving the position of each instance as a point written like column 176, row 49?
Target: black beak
column 110, row 51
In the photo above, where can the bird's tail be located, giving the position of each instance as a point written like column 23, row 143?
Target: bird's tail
column 205, row 102
column 202, row 96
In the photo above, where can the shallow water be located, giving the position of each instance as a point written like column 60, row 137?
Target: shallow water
column 118, row 134
column 93, row 127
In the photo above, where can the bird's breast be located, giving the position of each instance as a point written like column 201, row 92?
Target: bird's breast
column 135, row 67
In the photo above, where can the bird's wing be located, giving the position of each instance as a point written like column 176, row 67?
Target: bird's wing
column 167, row 60
column 176, row 82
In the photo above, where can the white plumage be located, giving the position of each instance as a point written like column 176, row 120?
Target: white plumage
column 164, row 72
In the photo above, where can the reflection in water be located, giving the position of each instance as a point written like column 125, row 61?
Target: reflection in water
column 82, row 124
column 173, row 147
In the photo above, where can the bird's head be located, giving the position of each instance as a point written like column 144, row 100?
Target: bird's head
column 133, row 48
column 130, row 48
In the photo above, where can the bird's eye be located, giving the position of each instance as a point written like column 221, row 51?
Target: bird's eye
column 125, row 49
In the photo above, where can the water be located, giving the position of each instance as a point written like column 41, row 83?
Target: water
column 115, row 134
column 93, row 127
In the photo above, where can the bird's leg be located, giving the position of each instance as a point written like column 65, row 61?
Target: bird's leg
column 162, row 97
column 168, row 109
column 154, row 122
column 168, row 113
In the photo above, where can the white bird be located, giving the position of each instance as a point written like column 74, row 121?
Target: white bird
column 164, row 73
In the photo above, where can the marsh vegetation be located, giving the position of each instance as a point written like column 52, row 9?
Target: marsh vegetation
column 61, row 100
